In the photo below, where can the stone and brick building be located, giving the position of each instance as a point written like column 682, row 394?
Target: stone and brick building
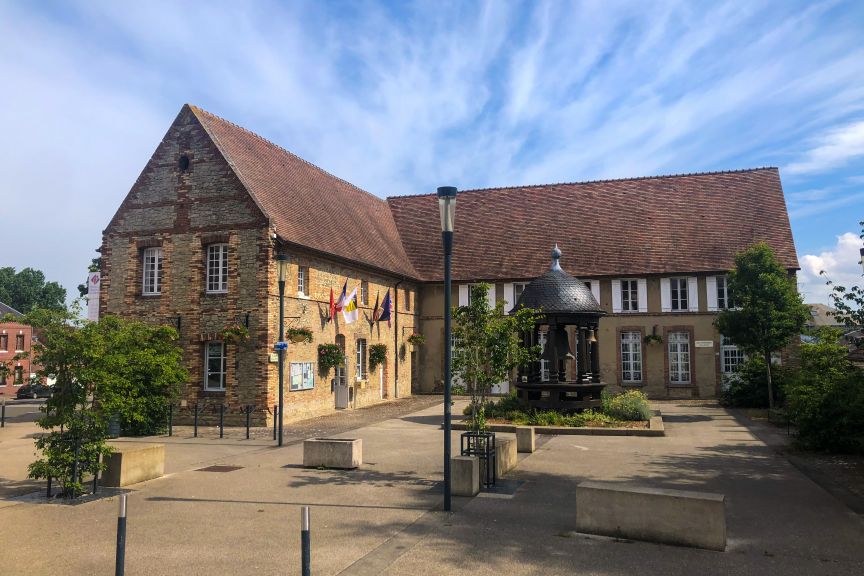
column 194, row 244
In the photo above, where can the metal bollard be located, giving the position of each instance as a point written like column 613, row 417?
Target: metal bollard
column 305, row 542
column 120, row 562
column 48, row 494
column 221, row 420
column 248, row 416
column 3, row 413
column 170, row 419
column 275, row 419
column 96, row 474
column 196, row 421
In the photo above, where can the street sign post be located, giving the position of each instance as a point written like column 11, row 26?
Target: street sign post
column 280, row 346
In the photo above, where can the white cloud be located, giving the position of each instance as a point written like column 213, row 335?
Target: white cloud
column 836, row 148
column 840, row 264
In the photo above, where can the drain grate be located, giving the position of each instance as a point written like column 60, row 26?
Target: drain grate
column 219, row 469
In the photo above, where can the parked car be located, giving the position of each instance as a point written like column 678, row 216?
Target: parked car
column 34, row 390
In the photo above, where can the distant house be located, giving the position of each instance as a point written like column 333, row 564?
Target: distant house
column 822, row 315
column 16, row 340
column 194, row 243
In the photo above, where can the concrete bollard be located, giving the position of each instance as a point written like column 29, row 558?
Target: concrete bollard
column 465, row 475
column 505, row 456
column 525, row 442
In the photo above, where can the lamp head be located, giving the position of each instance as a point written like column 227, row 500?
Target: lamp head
column 447, row 205
column 282, row 266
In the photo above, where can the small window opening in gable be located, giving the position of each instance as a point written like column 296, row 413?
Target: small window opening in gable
column 183, row 163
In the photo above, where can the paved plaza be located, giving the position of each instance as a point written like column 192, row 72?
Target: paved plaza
column 385, row 518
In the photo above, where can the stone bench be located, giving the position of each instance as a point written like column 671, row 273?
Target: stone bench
column 130, row 463
column 333, row 452
column 679, row 517
column 505, row 455
column 465, row 475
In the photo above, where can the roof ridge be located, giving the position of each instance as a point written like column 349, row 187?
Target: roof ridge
column 285, row 150
column 600, row 181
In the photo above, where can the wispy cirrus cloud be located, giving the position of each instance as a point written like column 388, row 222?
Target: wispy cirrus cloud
column 399, row 98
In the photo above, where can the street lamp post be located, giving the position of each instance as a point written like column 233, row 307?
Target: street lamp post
column 447, row 205
column 282, row 264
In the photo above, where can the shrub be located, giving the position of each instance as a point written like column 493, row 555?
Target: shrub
column 329, row 356
column 825, row 399
column 748, row 387
column 377, row 355
column 631, row 405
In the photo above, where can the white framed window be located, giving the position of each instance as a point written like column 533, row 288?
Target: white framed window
column 303, row 280
column 544, row 364
column 217, row 268
column 19, row 375
column 731, row 356
column 360, row 365
column 518, row 288
column 19, row 342
column 364, row 292
column 679, row 357
column 629, row 295
column 302, row 375
column 151, row 282
column 678, row 295
column 215, row 366
column 631, row 357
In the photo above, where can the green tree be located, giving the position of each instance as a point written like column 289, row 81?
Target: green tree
column 825, row 399
column 848, row 302
column 112, row 368
column 27, row 289
column 488, row 346
column 770, row 311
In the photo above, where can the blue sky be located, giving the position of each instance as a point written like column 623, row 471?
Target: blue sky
column 401, row 98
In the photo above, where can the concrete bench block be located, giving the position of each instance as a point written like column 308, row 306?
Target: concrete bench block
column 133, row 463
column 681, row 517
column 525, row 442
column 465, row 475
column 505, row 455
column 333, row 452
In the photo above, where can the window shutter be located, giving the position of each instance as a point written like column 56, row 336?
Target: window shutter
column 643, row 295
column 491, row 295
column 616, row 295
column 711, row 285
column 509, row 297
column 693, row 293
column 665, row 295
column 463, row 294
column 595, row 290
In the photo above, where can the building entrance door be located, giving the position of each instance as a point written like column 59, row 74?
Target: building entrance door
column 341, row 380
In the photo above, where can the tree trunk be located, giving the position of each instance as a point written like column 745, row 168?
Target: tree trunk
column 770, row 383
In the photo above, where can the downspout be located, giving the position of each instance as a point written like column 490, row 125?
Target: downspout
column 396, row 338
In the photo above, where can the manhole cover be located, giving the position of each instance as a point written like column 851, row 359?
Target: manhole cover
column 219, row 469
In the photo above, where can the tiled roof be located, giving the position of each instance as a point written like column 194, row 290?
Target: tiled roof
column 308, row 206
column 653, row 225
column 6, row 309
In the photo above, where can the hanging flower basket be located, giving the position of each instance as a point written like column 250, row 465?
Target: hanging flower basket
column 652, row 338
column 329, row 356
column 298, row 335
column 416, row 339
column 377, row 354
column 235, row 333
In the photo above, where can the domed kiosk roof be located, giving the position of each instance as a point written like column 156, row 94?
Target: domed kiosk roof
column 556, row 292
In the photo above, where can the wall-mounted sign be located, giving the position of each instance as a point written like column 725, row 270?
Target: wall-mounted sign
column 704, row 343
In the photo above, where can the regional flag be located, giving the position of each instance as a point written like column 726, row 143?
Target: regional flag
column 375, row 309
column 350, row 311
column 341, row 302
column 385, row 309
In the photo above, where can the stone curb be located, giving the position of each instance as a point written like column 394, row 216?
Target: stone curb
column 655, row 429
